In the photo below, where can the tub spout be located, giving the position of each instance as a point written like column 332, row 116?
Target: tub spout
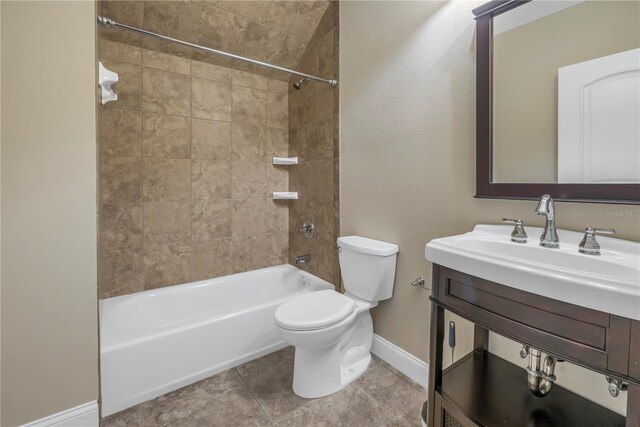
column 302, row 259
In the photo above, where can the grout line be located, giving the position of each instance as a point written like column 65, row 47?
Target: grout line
column 253, row 395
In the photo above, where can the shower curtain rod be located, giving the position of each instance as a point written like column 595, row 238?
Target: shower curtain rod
column 107, row 22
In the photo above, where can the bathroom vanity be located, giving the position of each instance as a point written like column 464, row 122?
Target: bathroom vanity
column 483, row 389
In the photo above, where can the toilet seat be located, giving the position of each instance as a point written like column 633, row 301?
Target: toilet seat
column 314, row 310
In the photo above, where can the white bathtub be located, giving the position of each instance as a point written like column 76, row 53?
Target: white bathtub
column 156, row 341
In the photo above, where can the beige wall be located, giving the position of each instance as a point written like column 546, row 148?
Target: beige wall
column 49, row 319
column 186, row 175
column 407, row 174
column 313, row 129
column 526, row 61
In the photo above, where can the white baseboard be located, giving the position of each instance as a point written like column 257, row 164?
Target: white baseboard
column 85, row 415
column 403, row 361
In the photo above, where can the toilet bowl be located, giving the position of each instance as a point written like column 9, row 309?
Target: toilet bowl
column 333, row 332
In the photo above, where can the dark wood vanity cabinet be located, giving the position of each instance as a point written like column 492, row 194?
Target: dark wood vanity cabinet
column 483, row 389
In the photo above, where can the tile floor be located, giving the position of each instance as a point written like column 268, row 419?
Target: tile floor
column 259, row 393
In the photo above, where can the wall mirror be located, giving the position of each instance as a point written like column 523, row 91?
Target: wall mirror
column 558, row 100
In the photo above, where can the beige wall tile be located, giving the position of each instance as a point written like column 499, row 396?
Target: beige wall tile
column 307, row 18
column 309, row 62
column 210, row 179
column 254, row 81
column 211, row 259
column 319, row 180
column 152, row 43
column 121, row 272
column 324, row 102
column 128, row 88
column 210, row 139
column 278, row 86
column 248, row 218
column 121, row 52
column 248, row 142
column 165, row 92
column 211, row 219
column 248, row 253
column 277, row 110
column 221, row 29
column 320, row 213
column 248, row 180
column 291, row 51
column 277, row 143
column 179, row 19
column 307, row 141
column 121, row 133
column 274, row 14
column 161, row 61
column 211, row 71
column 166, row 136
column 121, row 225
column 167, row 222
column 166, row 265
column 127, row 12
column 277, row 179
column 325, row 54
column 121, row 179
column 210, row 99
column 207, row 182
column 257, row 217
column 277, row 248
column 313, row 136
column 260, row 42
column 305, row 113
column 166, row 179
column 276, row 216
column 249, row 106
column 327, row 137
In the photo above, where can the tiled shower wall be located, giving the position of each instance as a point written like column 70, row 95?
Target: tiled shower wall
column 313, row 137
column 185, row 171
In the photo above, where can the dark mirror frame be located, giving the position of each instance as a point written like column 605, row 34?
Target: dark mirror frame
column 485, row 187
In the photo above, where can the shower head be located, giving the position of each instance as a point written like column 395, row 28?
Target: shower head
column 297, row 85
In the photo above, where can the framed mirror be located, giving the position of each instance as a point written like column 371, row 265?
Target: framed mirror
column 558, row 100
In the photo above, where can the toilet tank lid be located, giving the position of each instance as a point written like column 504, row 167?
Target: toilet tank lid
column 367, row 246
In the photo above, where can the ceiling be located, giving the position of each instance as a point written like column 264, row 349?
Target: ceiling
column 277, row 32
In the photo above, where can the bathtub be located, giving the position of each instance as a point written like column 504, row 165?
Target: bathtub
column 156, row 341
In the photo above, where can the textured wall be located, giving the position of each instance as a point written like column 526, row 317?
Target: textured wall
column 49, row 308
column 185, row 171
column 407, row 174
column 313, row 130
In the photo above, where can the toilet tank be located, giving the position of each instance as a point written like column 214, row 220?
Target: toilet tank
column 368, row 267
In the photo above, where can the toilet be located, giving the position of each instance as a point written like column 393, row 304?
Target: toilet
column 333, row 332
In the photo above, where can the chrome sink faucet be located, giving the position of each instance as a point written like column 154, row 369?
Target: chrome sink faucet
column 549, row 237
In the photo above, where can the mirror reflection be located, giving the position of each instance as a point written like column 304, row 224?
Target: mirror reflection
column 566, row 93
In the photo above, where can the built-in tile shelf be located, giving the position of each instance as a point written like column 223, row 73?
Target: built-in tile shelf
column 285, row 161
column 285, row 195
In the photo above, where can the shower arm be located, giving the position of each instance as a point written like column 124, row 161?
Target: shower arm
column 107, row 22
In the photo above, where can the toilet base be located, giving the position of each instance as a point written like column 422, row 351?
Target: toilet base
column 323, row 371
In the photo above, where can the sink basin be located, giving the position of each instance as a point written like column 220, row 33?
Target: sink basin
column 609, row 282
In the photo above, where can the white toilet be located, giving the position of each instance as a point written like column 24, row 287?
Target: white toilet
column 333, row 332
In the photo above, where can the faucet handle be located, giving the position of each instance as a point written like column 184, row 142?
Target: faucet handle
column 518, row 234
column 589, row 245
